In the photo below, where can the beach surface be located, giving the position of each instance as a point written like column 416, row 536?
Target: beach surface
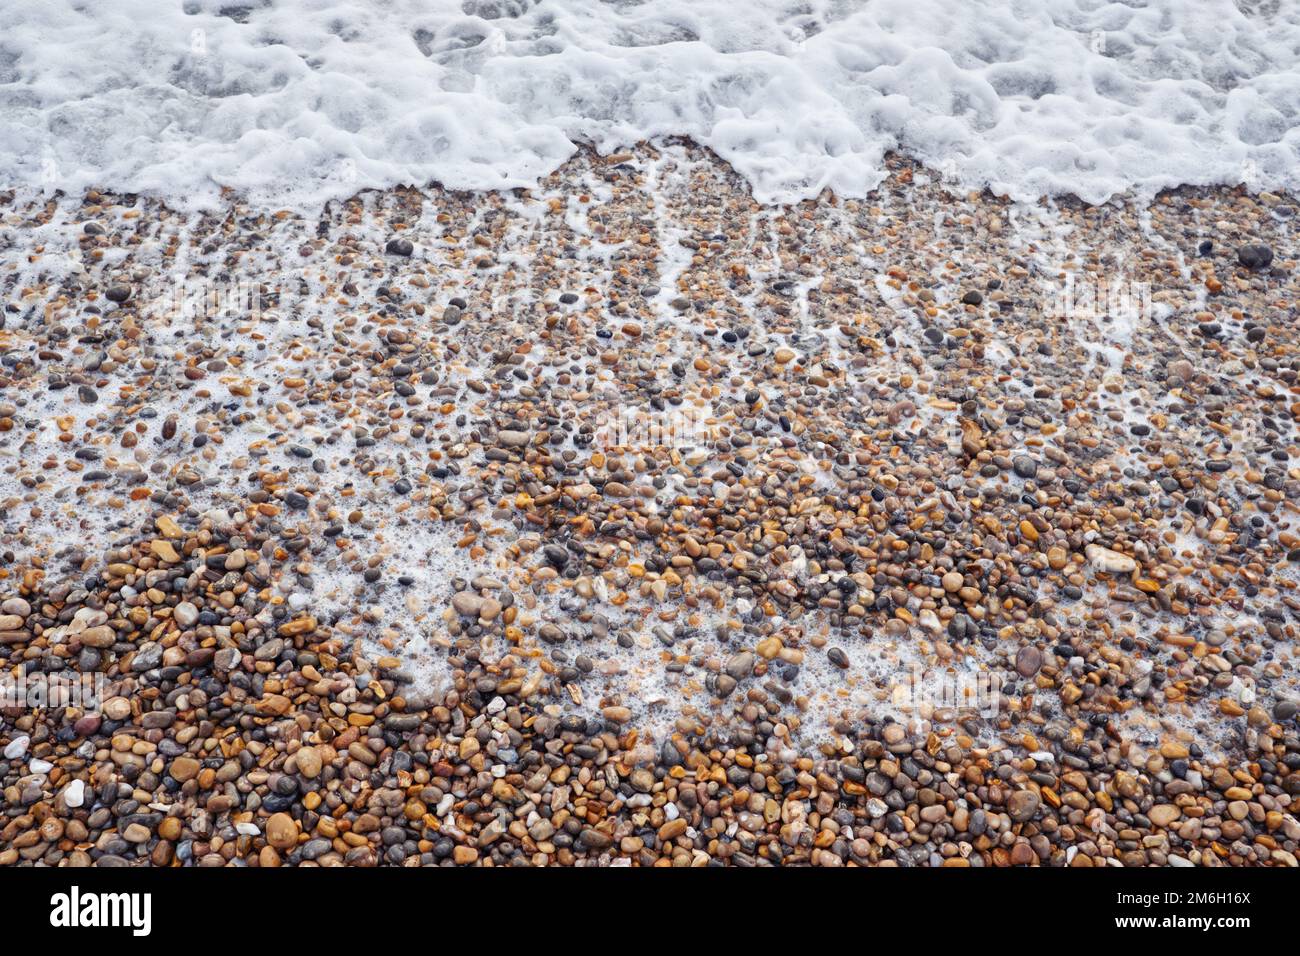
column 626, row 520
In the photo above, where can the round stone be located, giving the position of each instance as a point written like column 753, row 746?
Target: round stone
column 281, row 831
column 185, row 614
column 1255, row 255
column 1022, row 805
column 1028, row 660
column 309, row 762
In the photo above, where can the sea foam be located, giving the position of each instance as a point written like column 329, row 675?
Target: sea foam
column 295, row 102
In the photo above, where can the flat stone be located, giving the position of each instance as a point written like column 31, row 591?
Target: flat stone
column 1163, row 814
column 184, row 768
column 466, row 603
column 1111, row 562
column 513, row 439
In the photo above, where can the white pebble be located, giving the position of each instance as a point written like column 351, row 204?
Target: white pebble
column 185, row 614
column 17, row 747
column 75, row 795
column 1112, row 562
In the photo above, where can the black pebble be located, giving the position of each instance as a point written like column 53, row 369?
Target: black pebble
column 1255, row 256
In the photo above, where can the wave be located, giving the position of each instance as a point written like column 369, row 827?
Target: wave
column 295, row 102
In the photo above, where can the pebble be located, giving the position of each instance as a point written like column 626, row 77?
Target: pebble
column 309, row 762
column 281, row 831
column 1022, row 805
column 1111, row 562
column 740, row 665
column 185, row 614
column 1255, row 255
column 1028, row 660
column 1163, row 814
column 184, row 768
column 467, row 604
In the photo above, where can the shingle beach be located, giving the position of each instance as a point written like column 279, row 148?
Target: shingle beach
column 628, row 521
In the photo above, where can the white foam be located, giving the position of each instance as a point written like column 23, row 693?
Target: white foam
column 294, row 102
